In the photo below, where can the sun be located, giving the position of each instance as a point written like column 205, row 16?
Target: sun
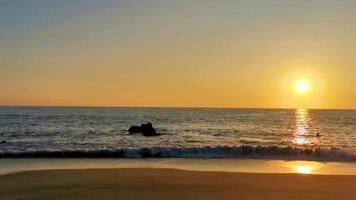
column 302, row 87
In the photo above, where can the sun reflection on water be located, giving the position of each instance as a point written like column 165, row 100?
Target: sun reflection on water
column 303, row 169
column 302, row 127
column 300, row 140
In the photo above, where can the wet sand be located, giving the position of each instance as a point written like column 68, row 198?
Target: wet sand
column 172, row 184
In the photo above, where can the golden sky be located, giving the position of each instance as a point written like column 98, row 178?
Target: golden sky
column 178, row 53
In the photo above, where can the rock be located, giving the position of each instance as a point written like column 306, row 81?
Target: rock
column 145, row 129
column 135, row 129
column 3, row 142
column 148, row 130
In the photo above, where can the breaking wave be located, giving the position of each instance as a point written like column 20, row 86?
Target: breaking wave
column 245, row 151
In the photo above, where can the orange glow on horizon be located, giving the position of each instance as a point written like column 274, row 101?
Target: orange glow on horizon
column 95, row 54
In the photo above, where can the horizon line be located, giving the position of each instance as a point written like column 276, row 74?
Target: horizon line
column 167, row 107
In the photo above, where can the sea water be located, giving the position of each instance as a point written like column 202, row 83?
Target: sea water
column 286, row 134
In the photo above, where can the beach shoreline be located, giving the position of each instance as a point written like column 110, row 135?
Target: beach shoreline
column 8, row 166
column 149, row 183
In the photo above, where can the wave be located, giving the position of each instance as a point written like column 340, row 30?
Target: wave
column 245, row 151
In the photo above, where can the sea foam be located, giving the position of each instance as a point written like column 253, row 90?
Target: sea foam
column 244, row 151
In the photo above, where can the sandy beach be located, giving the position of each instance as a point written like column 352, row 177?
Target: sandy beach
column 172, row 184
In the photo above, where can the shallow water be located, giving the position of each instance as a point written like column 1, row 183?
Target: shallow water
column 102, row 132
column 8, row 166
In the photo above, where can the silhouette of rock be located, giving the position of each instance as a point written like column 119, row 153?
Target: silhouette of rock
column 135, row 129
column 148, row 130
column 145, row 129
column 3, row 142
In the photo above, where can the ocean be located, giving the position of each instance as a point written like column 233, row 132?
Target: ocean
column 81, row 132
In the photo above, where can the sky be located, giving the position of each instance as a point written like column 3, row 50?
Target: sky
column 158, row 53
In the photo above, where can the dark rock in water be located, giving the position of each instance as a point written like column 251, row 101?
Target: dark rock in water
column 135, row 129
column 148, row 130
column 3, row 142
column 145, row 129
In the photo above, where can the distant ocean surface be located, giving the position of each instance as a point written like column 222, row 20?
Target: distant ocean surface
column 189, row 133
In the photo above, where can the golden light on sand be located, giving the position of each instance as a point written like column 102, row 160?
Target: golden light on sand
column 303, row 169
column 302, row 86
